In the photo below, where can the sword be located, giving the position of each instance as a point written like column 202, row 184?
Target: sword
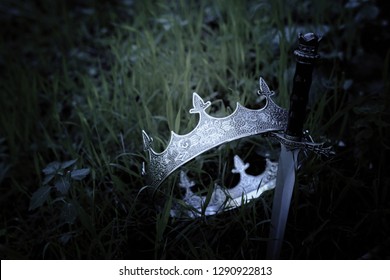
column 291, row 141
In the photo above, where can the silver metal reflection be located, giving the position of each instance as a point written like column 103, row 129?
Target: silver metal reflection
column 211, row 132
column 223, row 199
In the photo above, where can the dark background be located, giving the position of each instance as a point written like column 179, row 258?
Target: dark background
column 344, row 215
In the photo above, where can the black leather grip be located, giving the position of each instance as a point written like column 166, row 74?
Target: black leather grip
column 306, row 56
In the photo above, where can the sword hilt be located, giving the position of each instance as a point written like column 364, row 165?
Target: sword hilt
column 306, row 56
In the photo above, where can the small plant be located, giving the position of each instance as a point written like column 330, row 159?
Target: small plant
column 59, row 178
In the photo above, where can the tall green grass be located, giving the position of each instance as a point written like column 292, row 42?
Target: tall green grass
column 80, row 81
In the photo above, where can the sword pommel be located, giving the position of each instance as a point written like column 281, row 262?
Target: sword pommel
column 306, row 57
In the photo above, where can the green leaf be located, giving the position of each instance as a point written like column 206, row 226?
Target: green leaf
column 47, row 179
column 52, row 168
column 162, row 219
column 39, row 197
column 79, row 174
column 177, row 121
column 62, row 184
column 68, row 163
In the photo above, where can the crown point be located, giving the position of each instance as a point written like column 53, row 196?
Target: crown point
column 239, row 165
column 147, row 141
column 185, row 182
column 264, row 89
column 199, row 104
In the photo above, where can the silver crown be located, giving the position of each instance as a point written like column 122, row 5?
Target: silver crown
column 211, row 132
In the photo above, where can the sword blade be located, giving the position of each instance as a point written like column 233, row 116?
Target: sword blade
column 306, row 56
column 285, row 180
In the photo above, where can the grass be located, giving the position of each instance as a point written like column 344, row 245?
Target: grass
column 80, row 82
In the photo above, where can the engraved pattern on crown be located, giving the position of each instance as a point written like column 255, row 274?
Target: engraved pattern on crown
column 264, row 89
column 211, row 132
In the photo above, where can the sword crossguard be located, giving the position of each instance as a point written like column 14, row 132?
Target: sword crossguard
column 306, row 144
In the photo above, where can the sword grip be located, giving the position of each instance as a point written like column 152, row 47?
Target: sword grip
column 306, row 57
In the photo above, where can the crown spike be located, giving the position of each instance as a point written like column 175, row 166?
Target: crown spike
column 239, row 165
column 147, row 141
column 185, row 182
column 198, row 103
column 264, row 89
